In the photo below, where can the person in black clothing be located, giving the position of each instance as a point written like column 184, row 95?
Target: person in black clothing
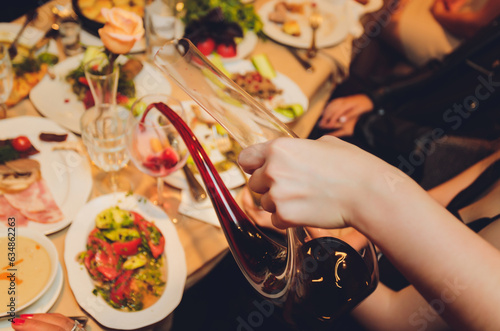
column 405, row 121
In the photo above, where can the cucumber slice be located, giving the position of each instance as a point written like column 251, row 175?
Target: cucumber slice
column 291, row 111
column 263, row 65
column 217, row 62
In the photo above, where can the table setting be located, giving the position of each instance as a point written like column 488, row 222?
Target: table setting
column 95, row 153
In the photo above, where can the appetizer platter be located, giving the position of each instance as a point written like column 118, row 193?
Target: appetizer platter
column 288, row 22
column 281, row 95
column 44, row 178
column 126, row 265
column 29, row 67
column 69, row 89
column 227, row 28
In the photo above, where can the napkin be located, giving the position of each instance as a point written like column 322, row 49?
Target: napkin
column 202, row 211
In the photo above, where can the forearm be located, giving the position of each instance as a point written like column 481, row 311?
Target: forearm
column 406, row 310
column 427, row 244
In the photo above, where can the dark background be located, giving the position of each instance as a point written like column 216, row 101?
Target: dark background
column 12, row 9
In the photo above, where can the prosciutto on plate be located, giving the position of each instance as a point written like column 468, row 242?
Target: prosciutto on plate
column 36, row 203
column 6, row 211
column 25, row 195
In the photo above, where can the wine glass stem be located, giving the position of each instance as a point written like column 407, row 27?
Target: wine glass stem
column 159, row 185
column 113, row 181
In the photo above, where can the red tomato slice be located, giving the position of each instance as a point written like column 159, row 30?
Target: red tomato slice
column 226, row 50
column 90, row 264
column 21, row 143
column 137, row 217
column 120, row 292
column 157, row 248
column 154, row 237
column 107, row 261
column 121, row 99
column 207, row 46
column 83, row 80
column 95, row 243
column 127, row 248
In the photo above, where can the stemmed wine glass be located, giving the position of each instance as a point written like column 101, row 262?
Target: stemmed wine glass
column 6, row 79
column 153, row 143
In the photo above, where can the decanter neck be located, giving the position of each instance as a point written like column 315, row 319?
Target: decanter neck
column 265, row 263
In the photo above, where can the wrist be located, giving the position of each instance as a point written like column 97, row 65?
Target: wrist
column 389, row 197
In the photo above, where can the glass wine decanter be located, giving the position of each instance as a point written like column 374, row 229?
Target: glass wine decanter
column 316, row 277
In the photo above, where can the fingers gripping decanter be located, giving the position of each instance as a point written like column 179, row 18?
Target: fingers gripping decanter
column 314, row 278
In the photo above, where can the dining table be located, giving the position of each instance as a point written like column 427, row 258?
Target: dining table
column 204, row 244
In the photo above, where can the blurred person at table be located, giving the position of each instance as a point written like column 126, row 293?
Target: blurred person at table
column 430, row 29
column 452, row 269
column 45, row 322
column 414, row 116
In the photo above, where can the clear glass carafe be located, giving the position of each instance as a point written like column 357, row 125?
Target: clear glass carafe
column 318, row 275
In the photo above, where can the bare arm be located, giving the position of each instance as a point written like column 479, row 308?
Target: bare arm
column 329, row 183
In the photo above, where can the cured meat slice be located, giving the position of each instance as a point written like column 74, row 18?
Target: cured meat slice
column 28, row 200
column 36, row 203
column 7, row 211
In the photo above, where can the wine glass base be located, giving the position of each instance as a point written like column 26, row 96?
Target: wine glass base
column 165, row 198
column 112, row 182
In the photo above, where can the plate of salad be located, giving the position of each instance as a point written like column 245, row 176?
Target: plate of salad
column 126, row 265
column 69, row 91
column 276, row 91
column 228, row 28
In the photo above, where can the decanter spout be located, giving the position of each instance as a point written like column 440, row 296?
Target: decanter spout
column 264, row 262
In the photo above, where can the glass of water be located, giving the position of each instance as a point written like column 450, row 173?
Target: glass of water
column 104, row 126
column 69, row 31
column 6, row 79
column 161, row 23
column 103, row 133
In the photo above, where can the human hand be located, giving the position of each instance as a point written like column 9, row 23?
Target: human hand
column 325, row 183
column 347, row 129
column 44, row 322
column 261, row 217
column 341, row 110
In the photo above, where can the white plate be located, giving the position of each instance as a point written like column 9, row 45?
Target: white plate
column 54, row 98
column 29, row 38
column 292, row 93
column 82, row 285
column 333, row 30
column 44, row 303
column 51, row 250
column 243, row 48
column 66, row 173
column 232, row 177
